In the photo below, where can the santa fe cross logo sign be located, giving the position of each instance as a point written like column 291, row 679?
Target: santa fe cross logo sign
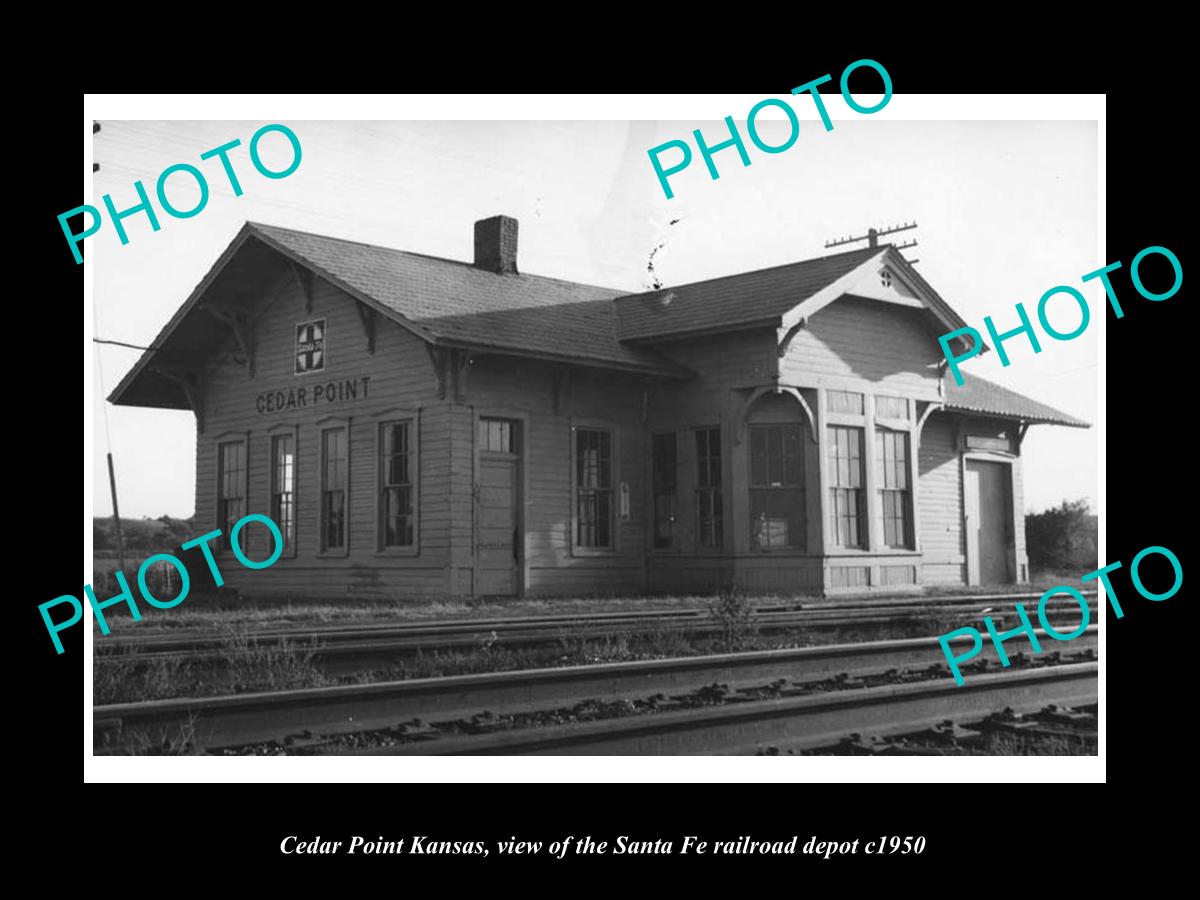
column 310, row 346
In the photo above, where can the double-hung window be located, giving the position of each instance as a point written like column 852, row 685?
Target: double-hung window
column 283, row 487
column 396, row 520
column 231, row 478
column 891, row 461
column 593, row 489
column 335, row 474
column 846, row 500
column 710, row 513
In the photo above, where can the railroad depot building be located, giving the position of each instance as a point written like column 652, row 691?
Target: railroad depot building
column 422, row 427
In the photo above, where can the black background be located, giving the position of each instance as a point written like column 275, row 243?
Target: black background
column 975, row 832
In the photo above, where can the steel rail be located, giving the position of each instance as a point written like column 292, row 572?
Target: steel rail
column 794, row 723
column 247, row 718
column 336, row 641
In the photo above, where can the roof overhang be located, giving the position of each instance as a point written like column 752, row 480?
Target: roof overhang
column 1024, row 418
column 861, row 280
column 243, row 273
column 666, row 369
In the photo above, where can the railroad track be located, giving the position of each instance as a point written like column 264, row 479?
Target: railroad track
column 342, row 649
column 242, row 719
column 794, row 723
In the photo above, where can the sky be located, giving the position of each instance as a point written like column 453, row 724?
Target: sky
column 1006, row 210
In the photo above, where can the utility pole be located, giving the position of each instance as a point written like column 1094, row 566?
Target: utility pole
column 112, row 483
column 872, row 237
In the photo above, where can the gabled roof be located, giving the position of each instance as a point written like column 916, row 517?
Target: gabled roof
column 455, row 302
column 733, row 300
column 442, row 301
column 982, row 396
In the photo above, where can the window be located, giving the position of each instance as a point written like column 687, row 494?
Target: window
column 891, row 458
column 593, row 488
column 845, row 402
column 664, row 469
column 395, row 485
column 709, row 513
column 231, row 500
column 496, row 435
column 845, row 486
column 777, row 517
column 334, row 475
column 891, row 407
column 283, row 487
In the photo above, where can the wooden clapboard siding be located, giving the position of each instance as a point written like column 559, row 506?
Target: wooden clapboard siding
column 525, row 389
column 727, row 367
column 735, row 359
column 855, row 344
column 857, row 340
column 780, row 575
column 1018, row 501
column 401, row 385
column 940, row 496
column 849, row 577
column 690, row 574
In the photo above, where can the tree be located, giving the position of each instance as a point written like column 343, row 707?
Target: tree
column 1062, row 538
column 102, row 538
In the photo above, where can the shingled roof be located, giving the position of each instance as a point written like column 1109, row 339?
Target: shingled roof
column 979, row 395
column 733, row 300
column 452, row 303
column 455, row 302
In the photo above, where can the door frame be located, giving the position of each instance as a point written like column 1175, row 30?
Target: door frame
column 1011, row 551
column 521, row 503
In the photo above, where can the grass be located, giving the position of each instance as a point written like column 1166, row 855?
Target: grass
column 248, row 667
column 214, row 613
column 1038, row 581
column 1043, row 745
column 271, row 667
column 284, row 613
column 302, row 613
column 130, row 676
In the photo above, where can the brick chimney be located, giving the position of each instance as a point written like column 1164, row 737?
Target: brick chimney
column 496, row 245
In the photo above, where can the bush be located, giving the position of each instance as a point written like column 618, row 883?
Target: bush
column 161, row 535
column 1062, row 539
column 734, row 614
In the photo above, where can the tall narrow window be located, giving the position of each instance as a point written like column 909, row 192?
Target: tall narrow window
column 593, row 488
column 283, row 487
column 891, row 460
column 334, row 476
column 777, row 517
column 664, row 490
column 846, row 485
column 709, row 511
column 231, row 501
column 396, row 484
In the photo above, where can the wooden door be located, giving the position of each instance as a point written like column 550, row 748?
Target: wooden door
column 989, row 517
column 498, row 505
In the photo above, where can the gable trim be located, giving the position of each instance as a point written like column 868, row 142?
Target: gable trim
column 904, row 270
column 297, row 262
